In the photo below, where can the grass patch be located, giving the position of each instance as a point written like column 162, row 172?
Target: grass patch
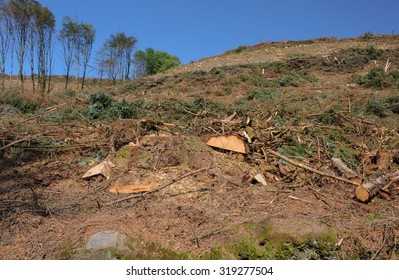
column 258, row 94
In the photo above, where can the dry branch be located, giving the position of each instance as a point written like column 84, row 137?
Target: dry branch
column 47, row 110
column 301, row 165
column 19, row 141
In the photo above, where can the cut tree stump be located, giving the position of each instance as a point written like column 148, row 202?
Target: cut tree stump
column 366, row 191
column 228, row 142
column 384, row 159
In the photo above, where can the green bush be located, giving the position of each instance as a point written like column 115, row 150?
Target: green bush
column 296, row 79
column 105, row 107
column 102, row 98
column 24, row 105
column 377, row 78
column 368, row 36
column 240, row 49
column 377, row 108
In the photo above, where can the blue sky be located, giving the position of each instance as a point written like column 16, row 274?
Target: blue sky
column 196, row 29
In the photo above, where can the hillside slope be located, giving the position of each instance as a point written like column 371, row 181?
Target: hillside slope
column 309, row 101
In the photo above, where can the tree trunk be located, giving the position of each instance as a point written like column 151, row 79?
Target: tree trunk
column 67, row 78
column 83, row 78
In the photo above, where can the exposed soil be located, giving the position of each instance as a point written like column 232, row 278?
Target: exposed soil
column 307, row 107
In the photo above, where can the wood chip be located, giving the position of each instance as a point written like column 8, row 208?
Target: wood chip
column 228, row 142
column 134, row 188
column 103, row 168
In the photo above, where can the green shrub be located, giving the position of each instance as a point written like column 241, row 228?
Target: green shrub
column 240, row 49
column 24, row 105
column 368, row 36
column 377, row 78
column 331, row 117
column 377, row 108
column 102, row 98
column 296, row 79
column 105, row 107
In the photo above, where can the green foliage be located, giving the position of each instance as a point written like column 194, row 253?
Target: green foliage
column 153, row 62
column 102, row 98
column 331, row 117
column 258, row 94
column 24, row 105
column 298, row 150
column 240, row 49
column 377, row 108
column 377, row 78
column 105, row 107
column 393, row 103
column 348, row 155
column 375, row 216
column 296, row 78
column 262, row 247
column 368, row 36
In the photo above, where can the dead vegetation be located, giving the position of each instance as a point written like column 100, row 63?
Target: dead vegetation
column 213, row 163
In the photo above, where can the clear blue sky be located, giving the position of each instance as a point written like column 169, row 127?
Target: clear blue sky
column 194, row 29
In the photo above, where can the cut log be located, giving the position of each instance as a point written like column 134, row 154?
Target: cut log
column 134, row 188
column 228, row 142
column 366, row 191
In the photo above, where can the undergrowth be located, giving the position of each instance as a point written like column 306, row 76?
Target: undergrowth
column 378, row 78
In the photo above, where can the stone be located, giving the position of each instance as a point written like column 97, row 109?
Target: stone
column 107, row 239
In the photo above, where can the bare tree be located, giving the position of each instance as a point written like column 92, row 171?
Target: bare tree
column 87, row 36
column 44, row 28
column 69, row 38
column 5, row 40
column 20, row 14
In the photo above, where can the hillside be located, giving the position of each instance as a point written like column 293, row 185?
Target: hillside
column 299, row 107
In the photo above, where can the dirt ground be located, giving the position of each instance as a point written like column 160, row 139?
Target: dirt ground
column 48, row 211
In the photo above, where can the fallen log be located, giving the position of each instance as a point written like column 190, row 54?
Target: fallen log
column 366, row 191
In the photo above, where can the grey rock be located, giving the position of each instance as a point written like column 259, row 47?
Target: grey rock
column 107, row 239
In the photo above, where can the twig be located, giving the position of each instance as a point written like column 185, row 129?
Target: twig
column 382, row 245
column 18, row 141
column 161, row 187
column 301, row 165
column 300, row 199
column 48, row 110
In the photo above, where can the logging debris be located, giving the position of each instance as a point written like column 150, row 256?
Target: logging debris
column 103, row 168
